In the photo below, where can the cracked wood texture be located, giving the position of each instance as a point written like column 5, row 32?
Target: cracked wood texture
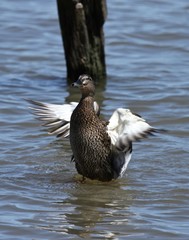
column 81, row 24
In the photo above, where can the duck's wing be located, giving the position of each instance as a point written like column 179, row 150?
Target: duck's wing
column 125, row 124
column 56, row 118
column 125, row 127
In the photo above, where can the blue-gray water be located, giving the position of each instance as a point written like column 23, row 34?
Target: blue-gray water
column 147, row 56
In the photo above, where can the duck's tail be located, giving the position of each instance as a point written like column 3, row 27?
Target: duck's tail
column 121, row 156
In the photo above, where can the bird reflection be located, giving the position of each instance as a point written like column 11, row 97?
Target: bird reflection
column 92, row 208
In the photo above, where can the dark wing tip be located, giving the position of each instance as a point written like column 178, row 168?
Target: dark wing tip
column 33, row 102
column 160, row 130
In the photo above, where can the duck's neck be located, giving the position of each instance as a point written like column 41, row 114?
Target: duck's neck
column 87, row 102
column 87, row 97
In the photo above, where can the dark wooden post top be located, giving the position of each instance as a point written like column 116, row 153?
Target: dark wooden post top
column 81, row 24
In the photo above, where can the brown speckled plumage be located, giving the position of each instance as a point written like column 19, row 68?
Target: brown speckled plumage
column 90, row 142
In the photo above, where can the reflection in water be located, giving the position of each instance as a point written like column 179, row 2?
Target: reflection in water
column 94, row 206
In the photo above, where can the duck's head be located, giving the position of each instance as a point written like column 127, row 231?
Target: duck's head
column 86, row 85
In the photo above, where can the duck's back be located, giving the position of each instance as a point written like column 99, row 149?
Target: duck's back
column 90, row 142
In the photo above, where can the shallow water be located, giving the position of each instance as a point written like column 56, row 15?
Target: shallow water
column 147, row 55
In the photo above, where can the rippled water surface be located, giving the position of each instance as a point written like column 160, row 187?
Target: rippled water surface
column 147, row 55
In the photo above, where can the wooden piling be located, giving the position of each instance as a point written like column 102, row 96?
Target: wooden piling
column 81, row 24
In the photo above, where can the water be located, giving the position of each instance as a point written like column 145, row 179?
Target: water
column 147, row 55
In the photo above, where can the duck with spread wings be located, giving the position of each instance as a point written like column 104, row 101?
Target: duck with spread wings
column 101, row 150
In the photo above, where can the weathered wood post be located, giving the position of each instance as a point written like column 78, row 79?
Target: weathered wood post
column 81, row 24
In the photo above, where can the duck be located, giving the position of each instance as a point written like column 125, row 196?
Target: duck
column 101, row 149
